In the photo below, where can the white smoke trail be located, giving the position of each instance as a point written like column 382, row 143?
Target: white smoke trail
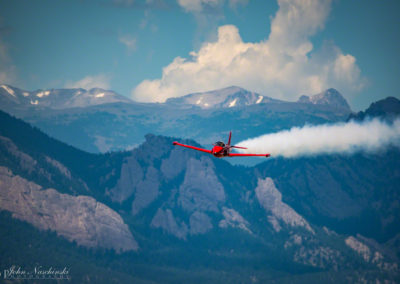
column 368, row 136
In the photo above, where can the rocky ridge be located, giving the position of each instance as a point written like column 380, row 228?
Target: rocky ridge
column 330, row 97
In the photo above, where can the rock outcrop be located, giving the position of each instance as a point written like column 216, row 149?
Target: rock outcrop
column 165, row 220
column 271, row 200
column 77, row 218
column 201, row 189
column 233, row 219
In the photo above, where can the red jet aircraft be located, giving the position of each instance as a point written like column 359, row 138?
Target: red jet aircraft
column 221, row 150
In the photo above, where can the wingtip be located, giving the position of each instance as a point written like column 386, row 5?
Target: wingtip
column 267, row 155
column 174, row 143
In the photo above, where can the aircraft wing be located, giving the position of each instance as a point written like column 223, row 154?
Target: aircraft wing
column 248, row 155
column 192, row 147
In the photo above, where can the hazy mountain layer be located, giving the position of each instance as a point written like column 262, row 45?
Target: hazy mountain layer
column 97, row 123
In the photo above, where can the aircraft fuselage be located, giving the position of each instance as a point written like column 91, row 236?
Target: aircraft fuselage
column 219, row 151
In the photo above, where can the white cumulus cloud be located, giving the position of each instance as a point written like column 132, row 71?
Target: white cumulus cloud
column 282, row 66
column 97, row 81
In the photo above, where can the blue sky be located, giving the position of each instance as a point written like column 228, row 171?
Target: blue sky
column 150, row 50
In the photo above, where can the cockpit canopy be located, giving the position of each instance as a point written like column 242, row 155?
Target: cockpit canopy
column 219, row 143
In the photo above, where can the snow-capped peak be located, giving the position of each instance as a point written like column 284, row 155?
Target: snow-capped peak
column 60, row 98
column 330, row 97
column 224, row 98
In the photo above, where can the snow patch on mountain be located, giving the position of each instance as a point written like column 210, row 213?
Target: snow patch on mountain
column 9, row 90
column 43, row 94
column 233, row 103
column 100, row 95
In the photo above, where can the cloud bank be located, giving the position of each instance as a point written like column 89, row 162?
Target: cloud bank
column 347, row 138
column 195, row 6
column 282, row 66
column 97, row 81
column 198, row 6
column 8, row 70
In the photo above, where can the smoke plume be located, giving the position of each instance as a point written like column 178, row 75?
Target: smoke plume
column 369, row 136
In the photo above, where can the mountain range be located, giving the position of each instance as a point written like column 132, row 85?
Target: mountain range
column 158, row 213
column 12, row 97
column 113, row 122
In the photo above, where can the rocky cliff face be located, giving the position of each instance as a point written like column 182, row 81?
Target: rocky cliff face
column 165, row 220
column 233, row 219
column 76, row 218
column 190, row 194
column 279, row 212
column 354, row 194
column 184, row 186
column 201, row 189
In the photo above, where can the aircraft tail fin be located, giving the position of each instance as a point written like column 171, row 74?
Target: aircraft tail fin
column 238, row 147
column 230, row 136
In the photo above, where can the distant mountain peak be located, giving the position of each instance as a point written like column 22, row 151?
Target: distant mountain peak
column 235, row 96
column 330, row 97
column 59, row 98
column 228, row 97
column 387, row 108
column 387, row 105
